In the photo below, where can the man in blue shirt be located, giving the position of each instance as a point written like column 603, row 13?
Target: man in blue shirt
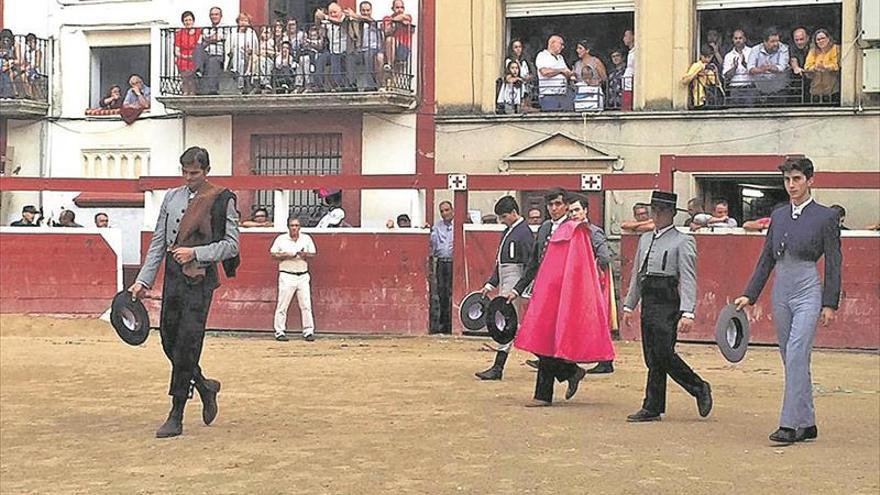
column 441, row 261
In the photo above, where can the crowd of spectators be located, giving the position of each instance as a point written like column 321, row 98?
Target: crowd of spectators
column 32, row 217
column 129, row 107
column 22, row 73
column 343, row 50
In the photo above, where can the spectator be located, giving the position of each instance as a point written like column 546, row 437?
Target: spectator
column 823, row 67
column 535, row 216
column 441, row 263
column 615, row 80
column 511, row 91
column 714, row 41
column 589, row 74
column 797, row 61
column 102, row 220
column 29, row 218
column 279, row 35
column 841, row 216
column 185, row 41
column 259, row 219
column 704, row 81
column 389, row 224
column 243, row 48
column 67, row 219
column 8, row 59
column 398, row 38
column 736, row 71
column 284, row 71
column 403, row 221
column 516, row 54
column 334, row 26
column 30, row 64
column 312, row 47
column 694, row 208
column 336, row 216
column 295, row 36
column 757, row 225
column 553, row 73
column 720, row 218
column 369, row 55
column 292, row 250
column 138, row 96
column 629, row 39
column 211, row 53
column 264, row 60
column 768, row 66
column 489, row 219
column 642, row 220
column 113, row 98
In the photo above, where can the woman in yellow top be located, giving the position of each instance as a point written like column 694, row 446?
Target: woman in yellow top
column 823, row 65
column 702, row 76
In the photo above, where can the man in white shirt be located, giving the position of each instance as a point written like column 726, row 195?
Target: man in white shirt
column 736, row 71
column 553, row 75
column 629, row 39
column 292, row 250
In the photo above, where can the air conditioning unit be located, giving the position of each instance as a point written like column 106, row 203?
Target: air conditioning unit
column 871, row 70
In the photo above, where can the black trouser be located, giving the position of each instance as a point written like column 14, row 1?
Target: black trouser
column 185, row 308
column 548, row 369
column 660, row 315
column 441, row 300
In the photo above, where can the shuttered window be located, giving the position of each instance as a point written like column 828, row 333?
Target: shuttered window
column 746, row 4
column 533, row 8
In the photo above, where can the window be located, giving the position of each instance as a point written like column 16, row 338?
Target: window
column 113, row 65
column 753, row 91
column 295, row 154
column 749, row 197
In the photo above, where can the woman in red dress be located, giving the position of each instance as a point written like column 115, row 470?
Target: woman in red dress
column 184, row 46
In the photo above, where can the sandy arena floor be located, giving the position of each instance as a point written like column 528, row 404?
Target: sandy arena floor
column 78, row 411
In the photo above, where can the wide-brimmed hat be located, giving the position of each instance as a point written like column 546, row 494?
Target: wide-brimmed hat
column 732, row 333
column 129, row 318
column 501, row 320
column 664, row 199
column 473, row 309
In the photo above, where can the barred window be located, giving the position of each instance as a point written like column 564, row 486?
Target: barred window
column 295, row 154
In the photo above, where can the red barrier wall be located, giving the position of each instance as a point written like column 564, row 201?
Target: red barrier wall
column 362, row 282
column 56, row 273
column 724, row 266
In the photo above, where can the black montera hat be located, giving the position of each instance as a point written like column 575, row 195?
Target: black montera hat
column 129, row 318
column 473, row 309
column 501, row 320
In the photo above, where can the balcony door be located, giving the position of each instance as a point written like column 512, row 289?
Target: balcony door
column 301, row 10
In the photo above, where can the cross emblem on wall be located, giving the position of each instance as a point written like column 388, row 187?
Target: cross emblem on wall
column 457, row 182
column 591, row 182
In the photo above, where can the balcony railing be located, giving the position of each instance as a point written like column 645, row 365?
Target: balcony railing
column 25, row 61
column 563, row 95
column 322, row 58
column 784, row 90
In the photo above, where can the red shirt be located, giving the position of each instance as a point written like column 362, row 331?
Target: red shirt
column 186, row 42
column 402, row 32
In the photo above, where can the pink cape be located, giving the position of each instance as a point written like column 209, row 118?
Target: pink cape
column 567, row 315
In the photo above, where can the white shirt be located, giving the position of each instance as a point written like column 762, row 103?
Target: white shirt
column 796, row 210
column 740, row 61
column 554, row 85
column 332, row 218
column 630, row 70
column 284, row 244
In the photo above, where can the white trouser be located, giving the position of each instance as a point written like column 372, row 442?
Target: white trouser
column 288, row 286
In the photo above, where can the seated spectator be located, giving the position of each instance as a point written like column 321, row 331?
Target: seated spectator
column 704, row 81
column 185, row 41
column 535, row 216
column 8, row 57
column 113, row 98
column 642, row 220
column 29, row 66
column 757, row 225
column 823, row 67
column 719, row 217
column 398, row 38
column 489, row 218
column 841, row 216
column 797, row 53
column 264, row 60
column 334, row 26
column 553, row 74
column 29, row 218
column 694, row 208
column 768, row 67
column 138, row 96
column 589, row 75
column 873, row 226
column 335, row 217
column 403, row 221
column 259, row 219
column 67, row 219
column 284, row 71
column 389, row 224
column 736, row 72
column 511, row 90
column 102, row 220
column 615, row 80
column 516, row 54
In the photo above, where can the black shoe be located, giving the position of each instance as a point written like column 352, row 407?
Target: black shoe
column 208, row 391
column 172, row 427
column 784, row 435
column 532, row 362
column 808, row 433
column 641, row 416
column 493, row 373
column 309, row 338
column 574, row 381
column 704, row 400
column 602, row 367
column 281, row 338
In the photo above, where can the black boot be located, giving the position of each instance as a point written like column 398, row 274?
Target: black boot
column 173, row 426
column 602, row 367
column 208, row 390
column 495, row 372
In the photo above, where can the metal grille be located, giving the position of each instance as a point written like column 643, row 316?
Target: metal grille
column 295, row 154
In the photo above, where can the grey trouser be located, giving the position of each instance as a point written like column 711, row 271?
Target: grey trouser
column 508, row 275
column 797, row 302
